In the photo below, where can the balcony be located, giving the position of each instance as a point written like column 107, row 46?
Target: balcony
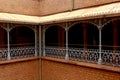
column 17, row 52
column 108, row 57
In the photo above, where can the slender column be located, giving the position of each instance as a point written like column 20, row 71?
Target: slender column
column 85, row 35
column 59, row 37
column 40, row 41
column 67, row 56
column 2, row 35
column 100, row 42
column 44, row 43
column 35, row 30
column 8, row 41
column 115, row 35
column 63, row 38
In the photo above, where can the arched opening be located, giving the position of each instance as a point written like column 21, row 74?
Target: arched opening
column 55, row 36
column 111, row 43
column 22, row 36
column 93, row 37
column 75, row 36
column 3, row 38
column 83, row 35
column 83, row 42
column 111, row 36
column 22, row 42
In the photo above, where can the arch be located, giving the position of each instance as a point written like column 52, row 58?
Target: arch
column 16, row 26
column 3, row 38
column 80, row 22
column 111, row 35
column 55, row 36
column 111, row 20
column 83, row 35
column 75, row 35
column 49, row 26
column 22, row 36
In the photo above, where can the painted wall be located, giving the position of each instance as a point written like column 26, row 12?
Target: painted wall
column 25, row 70
column 55, row 6
column 63, row 71
column 46, row 7
column 27, row 7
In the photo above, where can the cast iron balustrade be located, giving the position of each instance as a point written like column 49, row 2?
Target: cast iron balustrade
column 56, row 52
column 22, row 52
column 3, row 54
column 87, row 55
column 109, row 57
column 17, row 52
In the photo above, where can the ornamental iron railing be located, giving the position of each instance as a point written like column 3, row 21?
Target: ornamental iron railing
column 87, row 55
column 17, row 52
column 108, row 57
column 3, row 54
column 22, row 52
column 55, row 52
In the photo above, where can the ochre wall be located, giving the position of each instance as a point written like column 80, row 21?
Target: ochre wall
column 55, row 6
column 27, row 7
column 25, row 70
column 90, row 3
column 52, row 70
column 46, row 7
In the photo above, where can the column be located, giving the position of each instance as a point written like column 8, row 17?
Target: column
column 59, row 37
column 100, row 42
column 85, row 35
column 35, row 31
column 44, row 43
column 115, row 35
column 2, row 35
column 63, row 39
column 40, row 41
column 66, row 56
column 8, row 41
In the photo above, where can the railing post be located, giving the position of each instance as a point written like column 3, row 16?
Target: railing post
column 66, row 56
column 100, row 42
column 44, row 43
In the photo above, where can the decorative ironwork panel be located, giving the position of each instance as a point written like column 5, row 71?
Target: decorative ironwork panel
column 55, row 52
column 88, row 55
column 110, row 57
column 21, row 52
column 76, row 54
column 92, row 55
column 3, row 54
